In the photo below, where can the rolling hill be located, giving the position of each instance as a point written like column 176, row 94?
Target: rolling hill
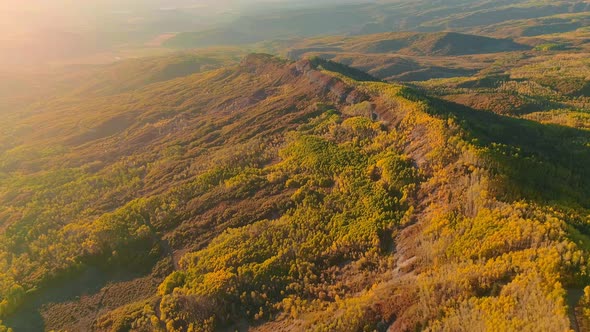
column 409, row 56
column 409, row 43
column 431, row 44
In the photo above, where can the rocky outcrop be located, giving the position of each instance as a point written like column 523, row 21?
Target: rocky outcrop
column 337, row 88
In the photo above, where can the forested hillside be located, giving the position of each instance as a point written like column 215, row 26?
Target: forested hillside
column 282, row 195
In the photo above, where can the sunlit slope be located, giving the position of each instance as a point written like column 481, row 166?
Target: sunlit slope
column 289, row 195
column 70, row 161
column 20, row 87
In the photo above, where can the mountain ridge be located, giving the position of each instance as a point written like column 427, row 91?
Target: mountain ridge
column 217, row 176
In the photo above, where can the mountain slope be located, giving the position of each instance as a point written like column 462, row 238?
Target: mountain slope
column 282, row 195
column 101, row 157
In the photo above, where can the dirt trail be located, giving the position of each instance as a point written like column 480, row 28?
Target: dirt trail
column 573, row 298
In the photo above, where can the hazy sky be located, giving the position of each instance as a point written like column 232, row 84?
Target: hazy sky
column 17, row 16
column 40, row 5
column 22, row 12
column 47, row 29
column 25, row 15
